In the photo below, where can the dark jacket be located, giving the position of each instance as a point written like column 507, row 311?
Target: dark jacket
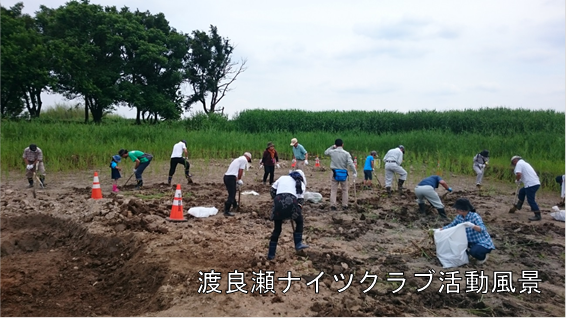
column 266, row 159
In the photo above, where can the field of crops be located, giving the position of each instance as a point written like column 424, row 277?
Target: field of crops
column 434, row 141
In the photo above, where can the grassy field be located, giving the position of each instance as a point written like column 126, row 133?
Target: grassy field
column 70, row 145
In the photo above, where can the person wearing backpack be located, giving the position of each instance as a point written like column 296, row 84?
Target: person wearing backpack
column 340, row 160
column 141, row 160
column 481, row 161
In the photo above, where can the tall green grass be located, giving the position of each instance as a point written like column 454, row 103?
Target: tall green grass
column 70, row 146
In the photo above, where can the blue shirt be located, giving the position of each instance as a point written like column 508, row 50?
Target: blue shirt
column 432, row 181
column 369, row 160
column 299, row 152
column 482, row 238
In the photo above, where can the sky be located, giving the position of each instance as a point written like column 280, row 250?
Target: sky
column 391, row 55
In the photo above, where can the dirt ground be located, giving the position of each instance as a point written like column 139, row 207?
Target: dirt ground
column 65, row 254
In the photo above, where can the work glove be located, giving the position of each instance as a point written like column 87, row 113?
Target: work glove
column 355, row 175
column 29, row 167
column 468, row 224
column 449, row 189
column 261, row 165
column 517, row 181
column 134, row 170
column 306, row 162
column 278, row 166
column 240, row 182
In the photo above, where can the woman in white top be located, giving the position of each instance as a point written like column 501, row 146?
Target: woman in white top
column 288, row 195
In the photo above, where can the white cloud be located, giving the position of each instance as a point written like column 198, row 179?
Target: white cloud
column 390, row 54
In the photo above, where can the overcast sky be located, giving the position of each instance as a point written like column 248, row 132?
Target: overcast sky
column 394, row 55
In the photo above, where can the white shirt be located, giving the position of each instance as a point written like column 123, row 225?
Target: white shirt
column 394, row 154
column 286, row 184
column 528, row 175
column 236, row 165
column 178, row 150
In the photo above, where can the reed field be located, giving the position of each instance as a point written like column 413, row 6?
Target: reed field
column 434, row 141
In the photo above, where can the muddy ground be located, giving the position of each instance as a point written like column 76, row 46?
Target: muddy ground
column 64, row 254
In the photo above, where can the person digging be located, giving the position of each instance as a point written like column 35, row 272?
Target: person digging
column 33, row 157
column 286, row 192
column 425, row 190
column 525, row 173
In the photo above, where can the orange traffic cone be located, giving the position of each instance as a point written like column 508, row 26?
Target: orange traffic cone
column 317, row 162
column 294, row 163
column 96, row 191
column 177, row 208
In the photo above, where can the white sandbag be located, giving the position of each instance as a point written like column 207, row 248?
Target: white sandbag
column 203, row 212
column 451, row 245
column 250, row 192
column 313, row 197
column 557, row 214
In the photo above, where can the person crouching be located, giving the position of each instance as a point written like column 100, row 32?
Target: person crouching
column 286, row 193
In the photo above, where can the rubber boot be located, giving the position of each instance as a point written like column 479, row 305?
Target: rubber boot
column 169, row 180
column 298, row 238
column 422, row 208
column 519, row 204
column 272, row 249
column 536, row 217
column 30, row 180
column 42, row 180
column 442, row 214
column 388, row 191
column 139, row 185
column 227, row 209
column 400, row 186
column 115, row 188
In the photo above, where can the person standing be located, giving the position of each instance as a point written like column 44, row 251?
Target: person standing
column 269, row 160
column 393, row 160
column 481, row 161
column 560, row 181
column 179, row 149
column 425, row 190
column 369, row 168
column 233, row 179
column 33, row 157
column 299, row 154
column 479, row 240
column 115, row 172
column 286, row 193
column 525, row 173
column 340, row 160
column 141, row 160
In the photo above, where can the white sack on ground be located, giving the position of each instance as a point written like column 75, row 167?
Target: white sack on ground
column 313, row 197
column 202, row 212
column 451, row 246
column 557, row 214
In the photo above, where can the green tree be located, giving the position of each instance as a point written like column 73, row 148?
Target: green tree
column 209, row 69
column 86, row 47
column 25, row 63
column 153, row 53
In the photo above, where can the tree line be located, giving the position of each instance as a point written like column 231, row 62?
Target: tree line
column 111, row 57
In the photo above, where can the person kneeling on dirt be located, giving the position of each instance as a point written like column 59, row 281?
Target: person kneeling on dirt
column 425, row 190
column 141, row 159
column 33, row 157
column 525, row 173
column 287, row 204
column 479, row 240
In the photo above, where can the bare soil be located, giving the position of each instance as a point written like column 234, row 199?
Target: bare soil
column 65, row 254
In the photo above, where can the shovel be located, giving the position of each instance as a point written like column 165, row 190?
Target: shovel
column 128, row 180
column 376, row 178
column 355, row 196
column 515, row 199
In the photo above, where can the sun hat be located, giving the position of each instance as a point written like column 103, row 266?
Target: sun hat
column 249, row 155
column 515, row 157
column 117, row 158
column 463, row 204
column 293, row 141
column 485, row 153
column 269, row 144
